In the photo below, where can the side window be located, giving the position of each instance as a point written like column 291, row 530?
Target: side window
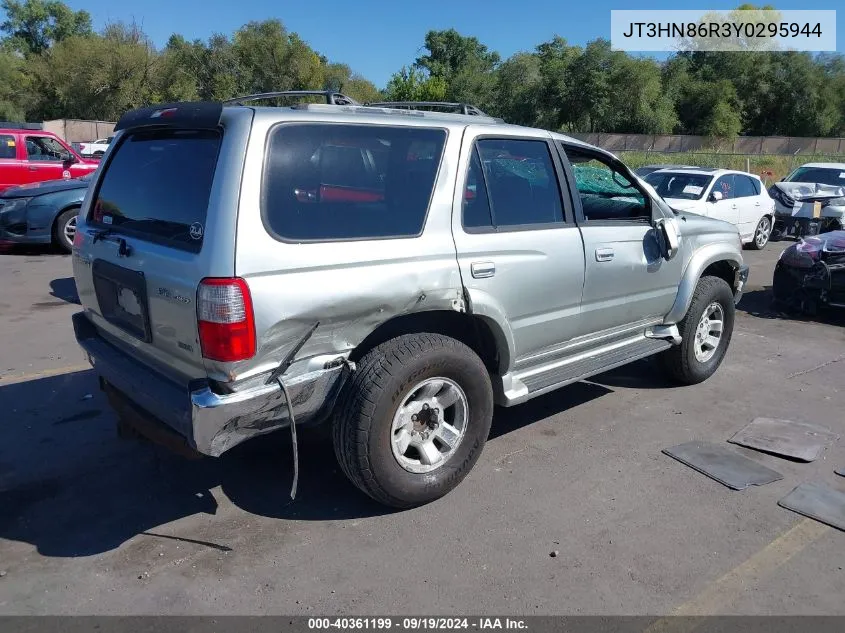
column 606, row 194
column 725, row 185
column 342, row 182
column 745, row 187
column 476, row 205
column 8, row 147
column 45, row 148
column 511, row 183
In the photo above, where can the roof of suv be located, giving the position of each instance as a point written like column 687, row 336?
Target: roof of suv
column 375, row 114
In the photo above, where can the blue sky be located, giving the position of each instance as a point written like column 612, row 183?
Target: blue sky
column 376, row 37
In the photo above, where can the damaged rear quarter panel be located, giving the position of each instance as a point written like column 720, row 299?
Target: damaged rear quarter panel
column 350, row 287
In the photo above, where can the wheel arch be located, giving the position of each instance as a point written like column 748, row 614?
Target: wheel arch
column 478, row 333
column 713, row 260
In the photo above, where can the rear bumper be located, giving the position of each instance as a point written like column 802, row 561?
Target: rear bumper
column 209, row 422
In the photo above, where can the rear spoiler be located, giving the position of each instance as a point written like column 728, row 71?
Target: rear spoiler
column 202, row 115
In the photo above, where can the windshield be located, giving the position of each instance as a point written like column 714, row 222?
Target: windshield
column 822, row 175
column 678, row 185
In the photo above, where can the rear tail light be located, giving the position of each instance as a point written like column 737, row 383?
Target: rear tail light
column 225, row 318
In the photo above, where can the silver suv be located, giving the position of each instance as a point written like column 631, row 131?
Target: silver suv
column 390, row 270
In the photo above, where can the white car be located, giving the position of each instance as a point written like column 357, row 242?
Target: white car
column 824, row 182
column 733, row 196
column 95, row 148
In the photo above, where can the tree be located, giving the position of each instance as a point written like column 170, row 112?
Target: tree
column 272, row 60
column 519, row 89
column 33, row 26
column 410, row 84
column 463, row 64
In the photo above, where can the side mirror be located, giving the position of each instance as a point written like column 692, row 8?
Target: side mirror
column 715, row 196
column 70, row 159
column 667, row 231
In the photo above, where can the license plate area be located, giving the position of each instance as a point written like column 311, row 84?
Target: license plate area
column 122, row 297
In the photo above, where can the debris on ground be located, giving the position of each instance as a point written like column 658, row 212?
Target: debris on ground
column 725, row 466
column 817, row 501
column 797, row 440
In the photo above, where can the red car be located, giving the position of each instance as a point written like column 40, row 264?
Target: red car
column 28, row 156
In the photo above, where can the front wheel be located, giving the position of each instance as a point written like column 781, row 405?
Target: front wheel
column 414, row 419
column 761, row 234
column 706, row 332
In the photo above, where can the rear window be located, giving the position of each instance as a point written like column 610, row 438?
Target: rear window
column 156, row 186
column 343, row 182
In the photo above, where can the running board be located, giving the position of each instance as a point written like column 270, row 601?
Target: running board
column 522, row 386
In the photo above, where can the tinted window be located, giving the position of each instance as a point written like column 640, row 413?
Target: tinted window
column 744, row 187
column 520, row 182
column 606, row 194
column 679, row 185
column 157, row 185
column 45, row 148
column 476, row 205
column 332, row 182
column 7, row 146
column 725, row 185
column 820, row 175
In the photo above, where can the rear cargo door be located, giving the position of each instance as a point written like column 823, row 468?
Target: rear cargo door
column 155, row 225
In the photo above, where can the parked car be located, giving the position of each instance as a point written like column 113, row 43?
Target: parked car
column 28, row 156
column 464, row 263
column 42, row 212
column 645, row 170
column 810, row 274
column 733, row 196
column 822, row 182
column 95, row 148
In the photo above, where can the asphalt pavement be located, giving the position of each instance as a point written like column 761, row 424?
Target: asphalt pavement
column 92, row 524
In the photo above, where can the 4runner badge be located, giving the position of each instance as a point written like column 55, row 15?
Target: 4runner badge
column 195, row 230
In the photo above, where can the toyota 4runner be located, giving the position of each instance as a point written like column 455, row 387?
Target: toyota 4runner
column 389, row 270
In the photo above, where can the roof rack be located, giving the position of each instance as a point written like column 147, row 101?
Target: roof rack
column 462, row 108
column 331, row 97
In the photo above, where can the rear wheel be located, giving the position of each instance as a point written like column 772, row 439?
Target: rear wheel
column 761, row 234
column 706, row 332
column 414, row 419
column 64, row 229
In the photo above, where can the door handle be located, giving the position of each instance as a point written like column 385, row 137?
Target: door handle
column 733, row 206
column 604, row 254
column 482, row 270
column 33, row 168
column 757, row 204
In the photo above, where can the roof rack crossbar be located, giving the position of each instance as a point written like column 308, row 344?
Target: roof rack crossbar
column 331, row 97
column 463, row 108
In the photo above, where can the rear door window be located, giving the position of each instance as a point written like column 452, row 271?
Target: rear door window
column 156, row 186
column 744, row 186
column 343, row 182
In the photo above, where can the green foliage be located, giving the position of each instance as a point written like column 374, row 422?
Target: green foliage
column 52, row 66
column 32, row 26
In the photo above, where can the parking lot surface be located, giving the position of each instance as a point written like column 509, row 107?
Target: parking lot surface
column 91, row 524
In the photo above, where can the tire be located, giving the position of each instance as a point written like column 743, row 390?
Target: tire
column 762, row 234
column 64, row 229
column 682, row 363
column 366, row 441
